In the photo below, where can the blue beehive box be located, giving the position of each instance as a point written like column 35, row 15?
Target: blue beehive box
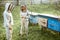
column 52, row 21
column 33, row 19
column 54, row 24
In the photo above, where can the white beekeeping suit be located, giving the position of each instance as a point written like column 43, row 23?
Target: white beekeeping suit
column 8, row 22
column 24, row 16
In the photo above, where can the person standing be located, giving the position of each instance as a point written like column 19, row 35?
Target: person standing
column 8, row 20
column 24, row 16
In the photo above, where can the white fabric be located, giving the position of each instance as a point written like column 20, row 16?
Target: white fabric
column 24, row 26
column 8, row 33
column 24, row 22
column 8, row 22
column 7, row 16
column 24, row 14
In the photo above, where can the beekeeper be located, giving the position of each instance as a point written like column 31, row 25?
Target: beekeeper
column 8, row 20
column 24, row 16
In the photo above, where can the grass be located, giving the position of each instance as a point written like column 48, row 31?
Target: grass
column 49, row 9
column 34, row 31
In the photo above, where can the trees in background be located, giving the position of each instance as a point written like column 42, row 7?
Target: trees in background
column 17, row 2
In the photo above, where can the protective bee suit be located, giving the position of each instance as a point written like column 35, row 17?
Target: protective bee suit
column 8, row 22
column 24, row 23
column 24, row 17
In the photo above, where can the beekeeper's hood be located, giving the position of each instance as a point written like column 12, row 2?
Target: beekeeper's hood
column 6, row 6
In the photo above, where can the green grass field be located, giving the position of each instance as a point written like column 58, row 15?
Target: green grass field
column 35, row 33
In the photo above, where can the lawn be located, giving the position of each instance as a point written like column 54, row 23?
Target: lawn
column 35, row 33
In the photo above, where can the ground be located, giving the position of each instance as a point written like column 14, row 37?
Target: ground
column 35, row 33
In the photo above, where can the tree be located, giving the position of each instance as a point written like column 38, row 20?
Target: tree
column 0, row 2
column 17, row 2
column 41, row 1
column 23, row 2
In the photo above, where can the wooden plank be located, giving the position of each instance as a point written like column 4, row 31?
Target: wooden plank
column 49, row 15
column 42, row 22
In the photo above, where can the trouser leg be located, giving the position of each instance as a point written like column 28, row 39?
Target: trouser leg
column 22, row 26
column 9, row 33
column 26, row 26
column 10, row 30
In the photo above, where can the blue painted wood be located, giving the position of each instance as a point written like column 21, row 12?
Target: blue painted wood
column 54, row 24
column 33, row 19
